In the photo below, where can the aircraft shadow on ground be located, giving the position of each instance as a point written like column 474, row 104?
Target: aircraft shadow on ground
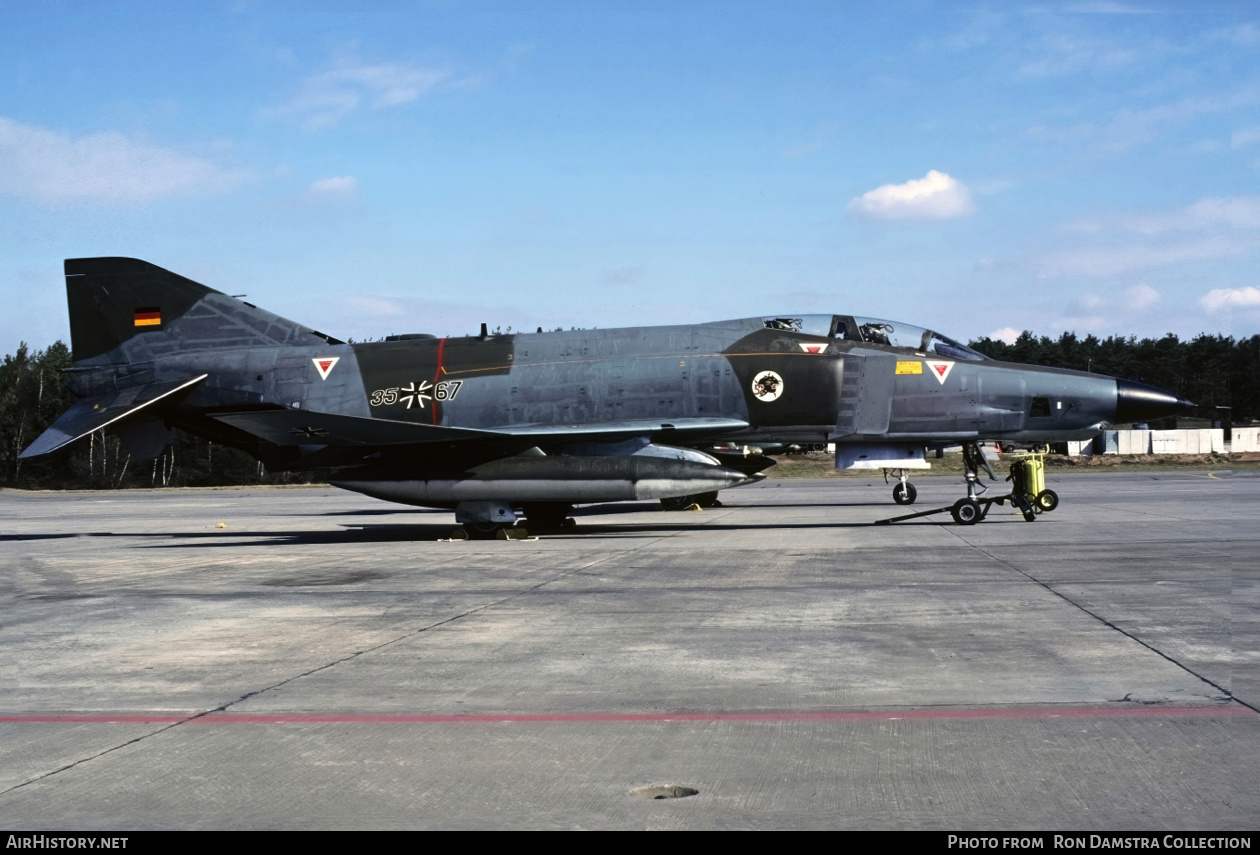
column 5, row 538
column 403, row 533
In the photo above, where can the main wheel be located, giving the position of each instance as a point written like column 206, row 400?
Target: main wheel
column 1048, row 500
column 966, row 512
column 706, row 500
column 546, row 516
column 483, row 530
column 677, row 503
column 904, row 493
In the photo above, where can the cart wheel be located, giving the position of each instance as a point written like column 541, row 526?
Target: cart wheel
column 1030, row 515
column 966, row 512
column 905, row 494
column 1047, row 500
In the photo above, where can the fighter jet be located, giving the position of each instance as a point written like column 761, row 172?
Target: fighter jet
column 498, row 426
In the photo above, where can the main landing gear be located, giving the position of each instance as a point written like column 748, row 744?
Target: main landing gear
column 682, row 503
column 1028, row 489
column 498, row 520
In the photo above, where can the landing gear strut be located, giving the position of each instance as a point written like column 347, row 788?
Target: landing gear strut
column 486, row 521
column 548, row 516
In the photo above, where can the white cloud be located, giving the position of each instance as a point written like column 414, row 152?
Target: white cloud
column 1006, row 334
column 1108, row 261
column 1129, row 128
column 936, row 196
column 1244, row 137
column 1064, row 55
column 1234, row 212
column 374, row 307
column 329, row 96
column 339, row 189
column 1210, row 214
column 56, row 168
column 1212, row 228
column 1104, row 7
column 1142, row 296
column 1243, row 35
column 1222, row 299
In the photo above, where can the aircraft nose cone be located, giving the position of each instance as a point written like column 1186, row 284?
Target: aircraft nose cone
column 1137, row 402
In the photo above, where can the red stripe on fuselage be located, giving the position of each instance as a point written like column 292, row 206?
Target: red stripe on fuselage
column 437, row 377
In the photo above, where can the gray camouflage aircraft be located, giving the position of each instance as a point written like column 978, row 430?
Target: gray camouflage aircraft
column 494, row 425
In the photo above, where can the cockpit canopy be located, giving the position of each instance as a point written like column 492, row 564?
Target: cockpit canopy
column 875, row 331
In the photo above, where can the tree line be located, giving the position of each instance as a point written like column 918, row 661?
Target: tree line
column 1214, row 371
column 34, row 392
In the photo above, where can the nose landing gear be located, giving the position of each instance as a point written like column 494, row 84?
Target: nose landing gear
column 1028, row 490
column 904, row 493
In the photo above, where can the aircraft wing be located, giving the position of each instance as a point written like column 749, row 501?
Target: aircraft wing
column 627, row 427
column 305, row 427
column 95, row 412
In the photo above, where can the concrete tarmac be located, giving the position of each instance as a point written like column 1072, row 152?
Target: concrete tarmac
column 309, row 658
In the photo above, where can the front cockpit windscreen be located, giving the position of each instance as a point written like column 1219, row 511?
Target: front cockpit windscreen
column 950, row 349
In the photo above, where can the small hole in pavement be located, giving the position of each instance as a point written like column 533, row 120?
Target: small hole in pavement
column 663, row 791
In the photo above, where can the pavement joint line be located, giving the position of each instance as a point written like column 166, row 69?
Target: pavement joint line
column 1107, row 623
column 224, row 707
column 1113, row 709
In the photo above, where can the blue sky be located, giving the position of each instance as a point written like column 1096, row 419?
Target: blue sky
column 425, row 166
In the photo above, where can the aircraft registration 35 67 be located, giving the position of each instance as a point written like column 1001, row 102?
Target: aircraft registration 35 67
column 497, row 426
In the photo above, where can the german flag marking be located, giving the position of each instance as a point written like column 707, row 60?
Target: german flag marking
column 149, row 317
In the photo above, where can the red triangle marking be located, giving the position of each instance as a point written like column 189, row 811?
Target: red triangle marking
column 940, row 369
column 325, row 364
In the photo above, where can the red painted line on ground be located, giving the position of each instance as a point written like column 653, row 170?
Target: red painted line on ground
column 1040, row 712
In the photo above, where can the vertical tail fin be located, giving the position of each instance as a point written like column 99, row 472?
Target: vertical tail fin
column 127, row 310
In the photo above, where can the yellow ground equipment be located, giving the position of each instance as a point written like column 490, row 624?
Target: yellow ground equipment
column 1028, row 494
column 1028, row 474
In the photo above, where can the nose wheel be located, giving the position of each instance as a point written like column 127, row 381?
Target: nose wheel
column 904, row 493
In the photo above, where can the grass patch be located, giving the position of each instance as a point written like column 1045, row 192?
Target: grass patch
column 822, row 465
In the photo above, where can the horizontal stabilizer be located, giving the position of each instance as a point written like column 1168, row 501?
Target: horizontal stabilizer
column 91, row 414
column 629, row 427
column 305, row 427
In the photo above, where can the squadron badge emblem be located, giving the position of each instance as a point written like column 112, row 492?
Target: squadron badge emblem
column 767, row 386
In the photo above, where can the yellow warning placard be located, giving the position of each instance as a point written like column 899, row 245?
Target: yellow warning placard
column 909, row 367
